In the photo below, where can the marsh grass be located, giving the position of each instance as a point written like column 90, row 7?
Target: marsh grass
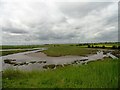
column 20, row 46
column 99, row 74
column 3, row 53
column 69, row 50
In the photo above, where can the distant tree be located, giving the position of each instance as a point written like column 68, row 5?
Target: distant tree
column 96, row 46
column 103, row 46
column 92, row 46
column 88, row 45
column 114, row 47
column 81, row 44
column 77, row 45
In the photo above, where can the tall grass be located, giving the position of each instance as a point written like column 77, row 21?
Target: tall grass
column 99, row 74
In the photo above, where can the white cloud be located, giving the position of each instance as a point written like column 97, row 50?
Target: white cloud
column 28, row 22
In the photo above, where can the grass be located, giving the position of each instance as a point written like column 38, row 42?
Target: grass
column 3, row 53
column 107, row 46
column 20, row 46
column 34, row 47
column 99, row 74
column 64, row 49
column 57, row 50
column 68, row 50
column 49, row 45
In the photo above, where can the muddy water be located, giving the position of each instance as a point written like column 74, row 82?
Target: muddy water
column 39, row 56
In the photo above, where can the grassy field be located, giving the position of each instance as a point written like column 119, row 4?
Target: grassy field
column 99, row 74
column 68, row 50
column 20, row 46
column 50, row 45
column 3, row 53
column 108, row 46
column 58, row 49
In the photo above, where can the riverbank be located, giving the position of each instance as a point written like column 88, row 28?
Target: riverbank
column 32, row 60
column 37, row 60
column 98, row 74
column 4, row 52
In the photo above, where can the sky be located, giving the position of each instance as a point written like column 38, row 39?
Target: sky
column 57, row 21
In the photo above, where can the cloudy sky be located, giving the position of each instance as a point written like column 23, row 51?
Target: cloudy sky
column 40, row 22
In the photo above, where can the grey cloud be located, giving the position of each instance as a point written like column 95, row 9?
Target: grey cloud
column 77, row 10
column 59, row 22
column 14, row 30
column 113, row 20
column 52, row 35
column 108, row 36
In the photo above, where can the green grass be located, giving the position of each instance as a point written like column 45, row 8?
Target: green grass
column 74, row 49
column 99, row 74
column 50, row 45
column 3, row 53
column 68, row 50
column 20, row 46
column 57, row 49
column 107, row 46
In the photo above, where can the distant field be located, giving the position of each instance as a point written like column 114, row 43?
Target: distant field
column 50, row 45
column 20, row 46
column 106, row 45
column 99, row 74
column 109, row 46
column 3, row 53
column 59, row 49
column 68, row 50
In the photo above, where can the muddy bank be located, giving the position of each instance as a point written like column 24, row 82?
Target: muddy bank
column 37, row 60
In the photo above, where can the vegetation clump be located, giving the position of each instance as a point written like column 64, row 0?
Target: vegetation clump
column 32, row 62
column 51, row 66
column 59, row 65
column 9, row 61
